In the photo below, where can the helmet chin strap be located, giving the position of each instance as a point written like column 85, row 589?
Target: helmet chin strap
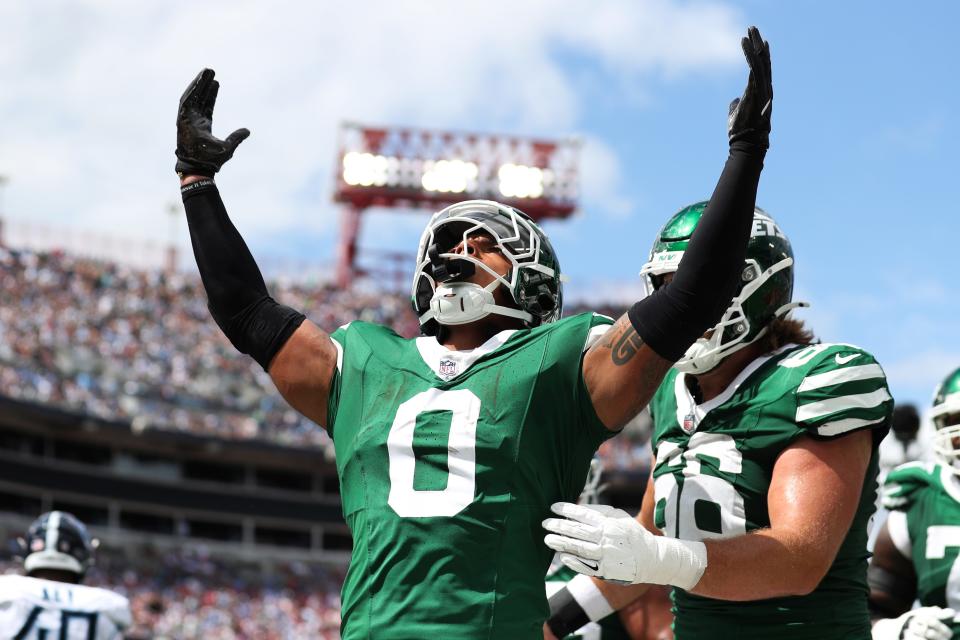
column 456, row 303
column 698, row 358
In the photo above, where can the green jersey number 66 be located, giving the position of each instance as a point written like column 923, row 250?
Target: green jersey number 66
column 704, row 506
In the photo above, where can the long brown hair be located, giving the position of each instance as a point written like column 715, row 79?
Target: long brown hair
column 785, row 331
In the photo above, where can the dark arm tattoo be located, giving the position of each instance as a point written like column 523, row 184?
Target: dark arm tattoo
column 621, row 379
column 626, row 346
column 623, row 341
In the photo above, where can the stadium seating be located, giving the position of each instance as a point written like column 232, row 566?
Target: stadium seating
column 124, row 344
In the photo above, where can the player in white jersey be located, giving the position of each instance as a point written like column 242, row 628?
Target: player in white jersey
column 49, row 602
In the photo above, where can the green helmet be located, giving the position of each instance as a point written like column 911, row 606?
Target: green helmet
column 946, row 417
column 765, row 291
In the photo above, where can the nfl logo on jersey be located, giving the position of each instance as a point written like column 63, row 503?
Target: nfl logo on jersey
column 448, row 368
column 689, row 423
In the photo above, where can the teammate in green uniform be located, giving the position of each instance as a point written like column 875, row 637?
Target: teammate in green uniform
column 451, row 447
column 765, row 468
column 917, row 555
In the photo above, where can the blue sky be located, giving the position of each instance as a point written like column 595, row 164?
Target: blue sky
column 861, row 173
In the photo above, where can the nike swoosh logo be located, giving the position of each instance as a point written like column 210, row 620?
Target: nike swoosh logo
column 592, row 567
column 845, row 359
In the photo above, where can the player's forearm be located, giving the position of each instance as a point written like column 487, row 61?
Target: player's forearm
column 620, row 595
column 673, row 317
column 237, row 295
column 759, row 565
column 228, row 270
column 190, row 179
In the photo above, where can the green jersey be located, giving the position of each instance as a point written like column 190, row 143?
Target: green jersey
column 714, row 463
column 924, row 524
column 609, row 628
column 448, row 462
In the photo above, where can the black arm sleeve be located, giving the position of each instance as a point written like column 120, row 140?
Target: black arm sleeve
column 236, row 293
column 566, row 614
column 674, row 316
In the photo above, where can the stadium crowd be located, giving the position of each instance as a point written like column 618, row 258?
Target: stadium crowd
column 139, row 346
column 189, row 594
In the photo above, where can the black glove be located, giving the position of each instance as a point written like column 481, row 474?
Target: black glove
column 199, row 153
column 749, row 119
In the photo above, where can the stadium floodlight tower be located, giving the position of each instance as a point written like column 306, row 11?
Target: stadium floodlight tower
column 406, row 168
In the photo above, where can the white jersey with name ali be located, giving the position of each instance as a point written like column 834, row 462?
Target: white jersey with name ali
column 35, row 609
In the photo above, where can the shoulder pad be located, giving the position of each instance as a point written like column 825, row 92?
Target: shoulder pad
column 907, row 482
column 805, row 358
column 366, row 330
column 375, row 336
column 10, row 585
column 599, row 325
column 839, row 388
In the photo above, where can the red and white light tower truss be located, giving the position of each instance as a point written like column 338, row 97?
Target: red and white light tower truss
column 407, row 168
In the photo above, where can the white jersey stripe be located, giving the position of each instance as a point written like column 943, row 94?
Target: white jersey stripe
column 842, row 426
column 832, row 405
column 838, row 376
column 339, row 348
column 53, row 532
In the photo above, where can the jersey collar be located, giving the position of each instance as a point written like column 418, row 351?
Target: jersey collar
column 447, row 364
column 691, row 413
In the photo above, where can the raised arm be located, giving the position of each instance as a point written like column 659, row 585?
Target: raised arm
column 623, row 370
column 299, row 357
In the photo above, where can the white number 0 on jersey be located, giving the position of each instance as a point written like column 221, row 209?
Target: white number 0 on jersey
column 408, row 502
column 681, row 503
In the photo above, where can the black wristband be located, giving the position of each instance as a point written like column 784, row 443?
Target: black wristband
column 199, row 185
column 566, row 614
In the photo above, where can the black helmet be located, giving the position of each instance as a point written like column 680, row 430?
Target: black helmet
column 58, row 541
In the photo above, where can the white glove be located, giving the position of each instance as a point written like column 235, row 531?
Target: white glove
column 598, row 540
column 925, row 623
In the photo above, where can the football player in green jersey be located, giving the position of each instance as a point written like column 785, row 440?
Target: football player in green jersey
column 917, row 555
column 451, row 447
column 764, row 475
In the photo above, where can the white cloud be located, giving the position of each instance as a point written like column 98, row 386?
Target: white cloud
column 600, row 177
column 915, row 376
column 90, row 91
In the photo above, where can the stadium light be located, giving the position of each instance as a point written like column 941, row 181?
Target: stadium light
column 419, row 168
column 400, row 167
column 519, row 181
